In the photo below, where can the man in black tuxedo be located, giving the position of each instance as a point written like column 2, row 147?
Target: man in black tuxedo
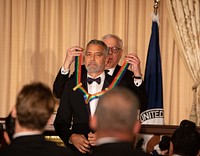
column 132, row 77
column 115, row 122
column 72, row 119
column 34, row 106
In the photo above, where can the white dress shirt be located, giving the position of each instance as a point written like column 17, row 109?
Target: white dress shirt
column 19, row 134
column 93, row 88
column 64, row 71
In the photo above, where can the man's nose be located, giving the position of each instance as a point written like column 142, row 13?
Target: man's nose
column 110, row 51
column 92, row 57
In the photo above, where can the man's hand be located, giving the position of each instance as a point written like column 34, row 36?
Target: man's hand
column 80, row 142
column 70, row 55
column 134, row 62
column 92, row 138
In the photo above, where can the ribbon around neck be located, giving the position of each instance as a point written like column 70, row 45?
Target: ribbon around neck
column 88, row 97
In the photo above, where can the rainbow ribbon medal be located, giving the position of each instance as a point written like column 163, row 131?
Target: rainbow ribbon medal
column 119, row 75
column 88, row 97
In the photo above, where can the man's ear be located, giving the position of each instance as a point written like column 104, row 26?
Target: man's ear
column 93, row 122
column 14, row 112
column 136, row 127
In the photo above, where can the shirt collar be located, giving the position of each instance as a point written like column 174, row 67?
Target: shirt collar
column 111, row 71
column 19, row 134
column 105, row 140
column 102, row 76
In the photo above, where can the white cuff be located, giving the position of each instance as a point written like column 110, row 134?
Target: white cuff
column 137, row 82
column 64, row 71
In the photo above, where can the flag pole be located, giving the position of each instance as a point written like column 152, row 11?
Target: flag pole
column 156, row 5
column 154, row 114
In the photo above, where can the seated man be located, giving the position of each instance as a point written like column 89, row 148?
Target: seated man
column 34, row 106
column 115, row 122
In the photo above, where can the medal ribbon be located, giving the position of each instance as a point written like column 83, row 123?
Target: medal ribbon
column 88, row 97
column 119, row 75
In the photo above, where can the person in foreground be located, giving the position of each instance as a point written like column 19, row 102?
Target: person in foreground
column 34, row 106
column 116, row 125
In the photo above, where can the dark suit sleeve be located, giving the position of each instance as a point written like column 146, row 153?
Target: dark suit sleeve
column 140, row 91
column 59, row 84
column 63, row 118
column 72, row 115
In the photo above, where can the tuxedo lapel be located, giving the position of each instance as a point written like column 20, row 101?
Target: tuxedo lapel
column 85, row 86
column 117, row 68
column 107, row 81
column 84, row 81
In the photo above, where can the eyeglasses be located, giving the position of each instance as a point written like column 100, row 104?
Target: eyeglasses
column 114, row 49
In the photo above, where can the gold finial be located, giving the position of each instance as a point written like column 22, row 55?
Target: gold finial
column 156, row 5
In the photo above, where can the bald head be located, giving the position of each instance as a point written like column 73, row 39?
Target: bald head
column 117, row 110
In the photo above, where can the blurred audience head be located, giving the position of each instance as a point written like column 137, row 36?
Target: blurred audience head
column 34, row 106
column 188, row 123
column 116, row 113
column 186, row 139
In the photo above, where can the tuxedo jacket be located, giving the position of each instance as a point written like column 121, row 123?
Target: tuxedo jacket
column 116, row 149
column 34, row 145
column 126, row 81
column 59, row 82
column 73, row 113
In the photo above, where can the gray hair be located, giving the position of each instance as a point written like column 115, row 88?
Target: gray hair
column 101, row 43
column 119, row 40
column 117, row 110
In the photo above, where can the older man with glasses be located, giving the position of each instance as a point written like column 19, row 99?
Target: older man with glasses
column 133, row 76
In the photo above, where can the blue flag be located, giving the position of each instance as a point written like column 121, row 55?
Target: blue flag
column 153, row 80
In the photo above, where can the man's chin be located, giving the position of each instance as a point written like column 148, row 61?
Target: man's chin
column 92, row 70
column 108, row 65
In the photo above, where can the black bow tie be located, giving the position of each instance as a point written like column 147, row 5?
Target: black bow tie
column 90, row 80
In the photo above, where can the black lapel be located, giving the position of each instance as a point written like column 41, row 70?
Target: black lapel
column 107, row 82
column 85, row 86
column 84, row 80
column 117, row 68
